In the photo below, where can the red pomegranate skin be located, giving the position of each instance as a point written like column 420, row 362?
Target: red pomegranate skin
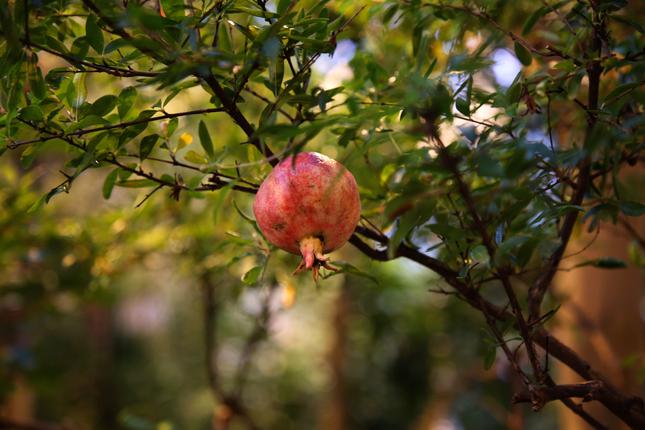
column 315, row 196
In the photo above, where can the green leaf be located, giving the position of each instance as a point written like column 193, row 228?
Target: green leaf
column 480, row 254
column 195, row 157
column 630, row 22
column 244, row 30
column 147, row 145
column 93, row 34
column 36, row 81
column 525, row 252
column 561, row 210
column 631, row 208
column 282, row 6
column 126, row 101
column 124, row 174
column 283, row 131
column 389, row 14
column 315, row 44
column 108, row 184
column 636, row 255
column 532, row 19
column 10, row 32
column 115, row 44
column 28, row 155
column 489, row 356
column 67, row 91
column 604, row 263
column 173, row 8
column 523, row 54
column 205, row 139
column 252, row 276
column 89, row 158
column 508, row 250
column 172, row 126
column 79, row 48
column 86, row 122
column 37, row 204
column 535, row 16
column 276, row 74
column 463, row 106
column 446, row 231
column 136, row 183
column 602, row 211
column 513, row 93
column 487, row 166
column 257, row 12
column 621, row 90
column 104, row 105
column 406, row 223
column 349, row 269
column 31, row 113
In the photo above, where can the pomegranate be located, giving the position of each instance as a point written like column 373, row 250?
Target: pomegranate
column 308, row 206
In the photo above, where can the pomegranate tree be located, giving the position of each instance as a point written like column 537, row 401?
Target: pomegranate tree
column 309, row 206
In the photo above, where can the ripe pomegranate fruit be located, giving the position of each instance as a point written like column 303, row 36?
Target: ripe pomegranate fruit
column 310, row 206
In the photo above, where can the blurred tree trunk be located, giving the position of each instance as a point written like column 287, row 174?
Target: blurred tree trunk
column 602, row 315
column 334, row 411
column 20, row 404
column 100, row 323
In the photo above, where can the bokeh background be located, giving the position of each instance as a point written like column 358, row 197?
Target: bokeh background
column 104, row 304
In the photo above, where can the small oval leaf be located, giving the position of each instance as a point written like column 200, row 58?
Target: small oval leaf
column 523, row 54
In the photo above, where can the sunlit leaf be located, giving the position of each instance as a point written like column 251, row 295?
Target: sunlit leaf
column 205, row 139
column 108, row 183
column 195, row 157
column 126, row 101
column 251, row 277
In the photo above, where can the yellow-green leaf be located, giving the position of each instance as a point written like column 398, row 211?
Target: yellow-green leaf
column 195, row 157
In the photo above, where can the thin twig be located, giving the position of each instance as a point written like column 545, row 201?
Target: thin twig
column 104, row 68
column 78, row 133
column 157, row 188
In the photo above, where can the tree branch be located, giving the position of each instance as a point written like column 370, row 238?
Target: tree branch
column 237, row 116
column 115, row 28
column 629, row 408
column 215, row 180
column 587, row 391
column 78, row 133
column 540, row 287
column 483, row 15
column 452, row 164
column 103, row 68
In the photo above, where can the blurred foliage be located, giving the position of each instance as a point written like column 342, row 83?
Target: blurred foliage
column 134, row 134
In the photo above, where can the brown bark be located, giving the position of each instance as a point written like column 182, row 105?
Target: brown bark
column 601, row 317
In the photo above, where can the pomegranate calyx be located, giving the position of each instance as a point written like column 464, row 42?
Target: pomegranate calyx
column 313, row 258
